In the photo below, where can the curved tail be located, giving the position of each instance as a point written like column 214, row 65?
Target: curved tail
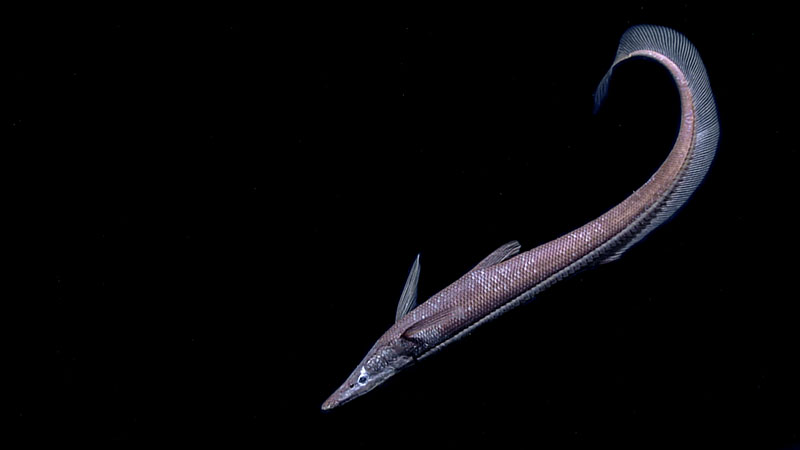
column 699, row 132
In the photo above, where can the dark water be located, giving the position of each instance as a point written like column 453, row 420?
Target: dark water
column 223, row 208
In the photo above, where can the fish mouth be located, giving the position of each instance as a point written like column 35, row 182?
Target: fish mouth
column 346, row 393
column 339, row 398
column 330, row 403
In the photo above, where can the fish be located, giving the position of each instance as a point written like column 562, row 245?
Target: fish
column 508, row 278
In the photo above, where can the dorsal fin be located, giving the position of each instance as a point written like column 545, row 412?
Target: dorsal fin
column 501, row 254
column 408, row 299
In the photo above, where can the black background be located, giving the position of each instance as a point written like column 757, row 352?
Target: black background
column 219, row 209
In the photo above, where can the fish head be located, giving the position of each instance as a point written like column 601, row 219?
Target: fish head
column 380, row 364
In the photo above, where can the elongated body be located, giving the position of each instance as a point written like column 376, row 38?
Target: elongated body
column 507, row 278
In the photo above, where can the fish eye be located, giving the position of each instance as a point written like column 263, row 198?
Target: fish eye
column 363, row 377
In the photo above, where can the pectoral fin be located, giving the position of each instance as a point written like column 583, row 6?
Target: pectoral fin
column 417, row 331
column 408, row 299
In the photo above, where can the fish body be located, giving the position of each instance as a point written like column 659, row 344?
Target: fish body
column 507, row 278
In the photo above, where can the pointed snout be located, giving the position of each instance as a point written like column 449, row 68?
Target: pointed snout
column 344, row 394
column 330, row 403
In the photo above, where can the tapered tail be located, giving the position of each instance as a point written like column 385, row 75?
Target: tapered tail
column 672, row 48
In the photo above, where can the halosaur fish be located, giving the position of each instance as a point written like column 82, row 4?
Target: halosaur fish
column 507, row 278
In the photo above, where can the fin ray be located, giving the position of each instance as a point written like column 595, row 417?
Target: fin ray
column 504, row 252
column 408, row 299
